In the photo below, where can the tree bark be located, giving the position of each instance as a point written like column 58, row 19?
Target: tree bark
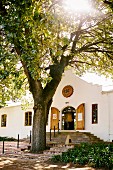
column 42, row 102
column 39, row 129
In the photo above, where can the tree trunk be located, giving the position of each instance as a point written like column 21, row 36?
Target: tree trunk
column 42, row 102
column 39, row 129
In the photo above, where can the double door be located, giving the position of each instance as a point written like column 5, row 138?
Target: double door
column 70, row 120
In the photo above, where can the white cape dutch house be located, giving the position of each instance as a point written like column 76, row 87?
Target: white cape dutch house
column 77, row 106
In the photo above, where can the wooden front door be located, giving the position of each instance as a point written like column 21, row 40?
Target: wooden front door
column 69, row 121
column 80, row 117
column 54, row 118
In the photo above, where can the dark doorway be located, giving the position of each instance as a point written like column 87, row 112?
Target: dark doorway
column 68, row 117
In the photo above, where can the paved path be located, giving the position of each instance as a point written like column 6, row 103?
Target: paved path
column 15, row 158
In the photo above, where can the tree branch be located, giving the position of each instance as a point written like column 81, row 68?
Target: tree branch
column 108, row 2
column 23, row 63
column 2, row 9
column 99, row 50
column 86, row 46
column 76, row 34
column 82, row 62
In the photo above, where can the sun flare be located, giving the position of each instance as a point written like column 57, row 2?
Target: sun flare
column 78, row 5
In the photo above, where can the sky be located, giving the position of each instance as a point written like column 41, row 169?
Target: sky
column 107, row 83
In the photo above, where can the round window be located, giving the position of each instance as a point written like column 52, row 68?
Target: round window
column 67, row 91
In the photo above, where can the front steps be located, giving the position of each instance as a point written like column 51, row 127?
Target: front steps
column 58, row 144
column 57, row 150
column 75, row 138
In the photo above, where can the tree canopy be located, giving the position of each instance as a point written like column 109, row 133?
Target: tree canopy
column 109, row 3
column 39, row 34
column 40, row 39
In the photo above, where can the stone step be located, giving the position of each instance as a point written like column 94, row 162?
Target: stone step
column 76, row 137
column 58, row 150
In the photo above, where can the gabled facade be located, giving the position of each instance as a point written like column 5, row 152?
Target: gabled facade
column 77, row 106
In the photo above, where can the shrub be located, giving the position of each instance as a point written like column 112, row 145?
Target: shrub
column 7, row 138
column 98, row 155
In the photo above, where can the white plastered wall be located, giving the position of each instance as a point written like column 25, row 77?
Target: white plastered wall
column 111, row 116
column 108, row 115
column 89, row 94
column 15, row 122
